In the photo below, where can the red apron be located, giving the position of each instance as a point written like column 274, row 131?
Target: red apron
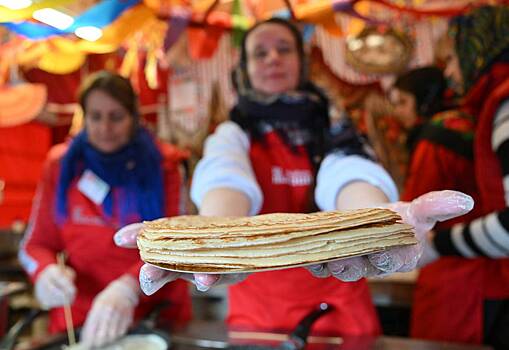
column 277, row 300
column 86, row 236
column 98, row 261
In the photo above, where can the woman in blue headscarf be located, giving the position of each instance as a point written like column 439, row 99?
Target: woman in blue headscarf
column 111, row 174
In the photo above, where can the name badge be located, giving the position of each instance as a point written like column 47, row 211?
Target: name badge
column 93, row 187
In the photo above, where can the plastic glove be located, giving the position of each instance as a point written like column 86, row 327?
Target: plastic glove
column 55, row 287
column 153, row 278
column 111, row 313
column 422, row 213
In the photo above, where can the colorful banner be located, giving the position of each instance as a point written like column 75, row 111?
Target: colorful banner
column 60, row 55
column 100, row 15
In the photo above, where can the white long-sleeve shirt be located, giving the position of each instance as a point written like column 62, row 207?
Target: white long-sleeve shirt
column 226, row 164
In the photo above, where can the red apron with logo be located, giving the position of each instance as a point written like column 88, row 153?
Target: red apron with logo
column 277, row 300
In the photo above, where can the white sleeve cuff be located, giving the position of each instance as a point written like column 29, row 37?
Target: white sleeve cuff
column 338, row 170
column 226, row 164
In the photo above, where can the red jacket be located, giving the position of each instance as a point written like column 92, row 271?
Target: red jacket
column 86, row 237
column 442, row 307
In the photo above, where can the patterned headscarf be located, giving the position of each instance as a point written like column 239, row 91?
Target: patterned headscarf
column 480, row 37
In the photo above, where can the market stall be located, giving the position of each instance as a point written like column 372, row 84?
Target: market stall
column 179, row 56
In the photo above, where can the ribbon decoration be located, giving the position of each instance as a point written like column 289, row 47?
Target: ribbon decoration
column 60, row 55
column 177, row 24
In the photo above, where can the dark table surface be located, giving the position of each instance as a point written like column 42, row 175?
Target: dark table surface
column 205, row 334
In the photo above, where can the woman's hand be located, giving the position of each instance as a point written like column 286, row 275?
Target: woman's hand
column 422, row 213
column 153, row 278
column 55, row 286
column 112, row 312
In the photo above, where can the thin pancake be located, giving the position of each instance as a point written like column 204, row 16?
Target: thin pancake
column 216, row 244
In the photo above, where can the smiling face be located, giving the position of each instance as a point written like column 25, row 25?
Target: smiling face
column 273, row 63
column 109, row 125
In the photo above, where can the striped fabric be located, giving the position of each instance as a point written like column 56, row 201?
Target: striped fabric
column 487, row 236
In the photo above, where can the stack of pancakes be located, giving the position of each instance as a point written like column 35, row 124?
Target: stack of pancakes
column 271, row 241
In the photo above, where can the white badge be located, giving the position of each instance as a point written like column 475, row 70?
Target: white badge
column 93, row 187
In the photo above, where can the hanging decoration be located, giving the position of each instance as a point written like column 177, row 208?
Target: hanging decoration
column 203, row 22
column 376, row 51
column 21, row 103
column 97, row 16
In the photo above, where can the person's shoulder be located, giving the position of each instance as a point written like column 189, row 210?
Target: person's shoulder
column 454, row 120
column 228, row 132
column 229, row 127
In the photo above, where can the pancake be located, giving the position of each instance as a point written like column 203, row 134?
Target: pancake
column 270, row 241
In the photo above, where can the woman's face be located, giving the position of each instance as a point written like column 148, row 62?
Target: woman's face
column 452, row 69
column 405, row 107
column 109, row 125
column 273, row 63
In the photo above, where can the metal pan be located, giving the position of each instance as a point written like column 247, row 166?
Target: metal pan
column 60, row 341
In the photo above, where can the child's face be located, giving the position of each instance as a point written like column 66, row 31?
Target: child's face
column 405, row 107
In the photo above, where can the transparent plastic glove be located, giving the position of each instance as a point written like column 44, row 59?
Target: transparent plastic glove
column 153, row 278
column 422, row 213
column 429, row 253
column 111, row 313
column 55, row 287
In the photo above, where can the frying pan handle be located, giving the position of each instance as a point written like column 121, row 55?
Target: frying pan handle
column 298, row 338
column 11, row 337
column 151, row 320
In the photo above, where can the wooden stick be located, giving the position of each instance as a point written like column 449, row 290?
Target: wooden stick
column 67, row 308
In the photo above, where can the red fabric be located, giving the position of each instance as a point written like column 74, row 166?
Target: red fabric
column 443, row 309
column 203, row 42
column 448, row 301
column 434, row 167
column 484, row 99
column 62, row 89
column 449, row 296
column 277, row 300
column 21, row 162
column 149, row 97
column 87, row 239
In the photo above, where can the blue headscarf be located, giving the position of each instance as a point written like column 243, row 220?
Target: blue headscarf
column 135, row 171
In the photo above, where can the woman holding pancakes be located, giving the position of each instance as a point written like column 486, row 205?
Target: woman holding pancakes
column 92, row 186
column 277, row 154
column 265, row 160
